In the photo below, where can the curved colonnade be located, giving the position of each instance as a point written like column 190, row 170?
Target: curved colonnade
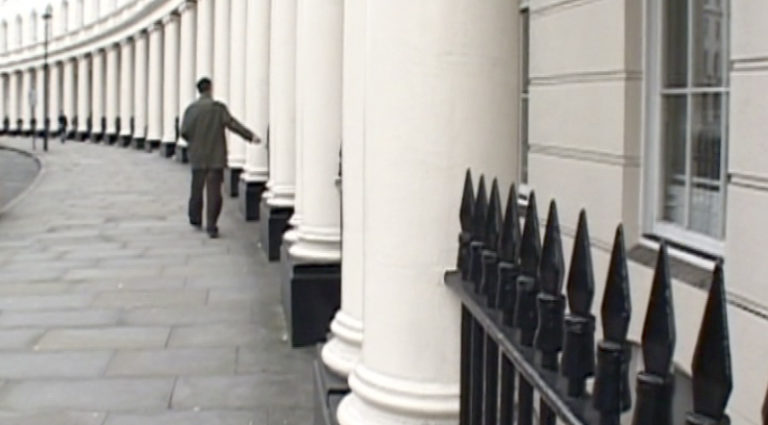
column 312, row 79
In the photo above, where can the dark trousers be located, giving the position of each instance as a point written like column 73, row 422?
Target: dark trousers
column 211, row 179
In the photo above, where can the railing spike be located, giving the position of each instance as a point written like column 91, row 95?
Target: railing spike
column 655, row 383
column 530, row 246
column 493, row 218
column 552, row 265
column 616, row 308
column 611, row 391
column 712, row 375
column 765, row 409
column 479, row 212
column 581, row 281
column 467, row 203
column 510, row 234
column 659, row 327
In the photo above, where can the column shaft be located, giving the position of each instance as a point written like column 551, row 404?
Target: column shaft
column 257, row 87
column 97, row 100
column 155, row 87
column 126, row 91
column 26, row 111
column 236, row 79
column 40, row 107
column 282, row 108
column 187, row 60
column 69, row 93
column 113, row 95
column 3, row 99
column 170, row 77
column 425, row 98
column 292, row 235
column 204, row 42
column 221, row 49
column 342, row 352
column 54, row 95
column 83, row 96
column 320, row 47
column 140, row 91
column 13, row 100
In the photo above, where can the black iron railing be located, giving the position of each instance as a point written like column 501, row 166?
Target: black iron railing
column 518, row 342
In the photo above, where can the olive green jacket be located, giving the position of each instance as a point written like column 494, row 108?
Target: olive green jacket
column 203, row 129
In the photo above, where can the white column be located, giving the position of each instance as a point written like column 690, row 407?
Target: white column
column 112, row 97
column 221, row 49
column 292, row 235
column 342, row 352
column 126, row 90
column 40, row 105
column 282, row 108
column 54, row 96
column 187, row 59
column 13, row 100
column 319, row 236
column 170, row 78
column 257, row 87
column 26, row 87
column 69, row 93
column 140, row 91
column 425, row 98
column 155, row 87
column 97, row 99
column 3, row 99
column 204, row 42
column 83, row 96
column 236, row 80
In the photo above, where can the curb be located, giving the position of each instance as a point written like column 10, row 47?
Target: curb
column 41, row 170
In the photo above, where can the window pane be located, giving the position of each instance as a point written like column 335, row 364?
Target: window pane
column 708, row 43
column 675, row 43
column 674, row 110
column 706, row 174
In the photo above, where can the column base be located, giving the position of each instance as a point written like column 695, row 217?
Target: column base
column 152, row 144
column 168, row 149
column 274, row 222
column 232, row 178
column 72, row 135
column 84, row 135
column 139, row 143
column 125, row 140
column 181, row 154
column 330, row 389
column 311, row 295
column 112, row 138
column 250, row 199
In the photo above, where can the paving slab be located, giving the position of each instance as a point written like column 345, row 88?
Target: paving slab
column 113, row 311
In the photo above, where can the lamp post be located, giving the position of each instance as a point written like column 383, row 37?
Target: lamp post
column 46, row 19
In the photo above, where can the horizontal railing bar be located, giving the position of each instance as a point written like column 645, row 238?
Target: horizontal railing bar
column 567, row 409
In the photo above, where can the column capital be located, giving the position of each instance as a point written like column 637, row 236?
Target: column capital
column 127, row 40
column 186, row 6
column 172, row 17
column 154, row 27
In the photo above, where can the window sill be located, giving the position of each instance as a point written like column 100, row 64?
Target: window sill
column 685, row 265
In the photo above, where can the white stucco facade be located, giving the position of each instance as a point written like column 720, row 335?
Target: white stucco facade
column 566, row 98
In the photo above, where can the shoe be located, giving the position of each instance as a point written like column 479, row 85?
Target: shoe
column 213, row 233
column 197, row 226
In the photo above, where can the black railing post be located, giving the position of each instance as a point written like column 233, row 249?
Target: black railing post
column 551, row 304
column 465, row 219
column 465, row 237
column 579, row 344
column 655, row 384
column 526, row 316
column 479, row 213
column 476, row 366
column 611, row 392
column 712, row 376
column 509, row 271
column 489, row 288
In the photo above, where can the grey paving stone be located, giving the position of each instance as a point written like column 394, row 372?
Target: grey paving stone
column 172, row 362
column 151, row 298
column 52, row 418
column 102, row 273
column 275, row 358
column 291, row 416
column 19, row 338
column 37, row 288
column 123, row 284
column 53, row 365
column 184, row 315
column 262, row 390
column 104, row 338
column 45, row 302
column 220, row 417
column 90, row 394
column 220, row 335
column 59, row 318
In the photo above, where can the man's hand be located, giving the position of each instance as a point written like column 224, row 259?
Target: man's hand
column 253, row 138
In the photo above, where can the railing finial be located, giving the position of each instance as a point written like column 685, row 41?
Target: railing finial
column 493, row 219
column 552, row 265
column 467, row 203
column 530, row 246
column 712, row 375
column 479, row 212
column 526, row 315
column 509, row 244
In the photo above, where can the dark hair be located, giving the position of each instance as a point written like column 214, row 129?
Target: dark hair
column 204, row 85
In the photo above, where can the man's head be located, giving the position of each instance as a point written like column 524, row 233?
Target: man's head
column 204, row 85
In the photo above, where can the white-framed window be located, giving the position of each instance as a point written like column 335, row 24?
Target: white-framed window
column 687, row 113
column 525, row 43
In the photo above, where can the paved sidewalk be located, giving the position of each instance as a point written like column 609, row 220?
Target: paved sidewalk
column 114, row 311
column 17, row 171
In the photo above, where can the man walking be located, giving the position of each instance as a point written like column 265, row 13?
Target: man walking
column 203, row 128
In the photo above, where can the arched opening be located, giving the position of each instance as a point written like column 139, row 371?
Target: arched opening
column 33, row 36
column 4, row 36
